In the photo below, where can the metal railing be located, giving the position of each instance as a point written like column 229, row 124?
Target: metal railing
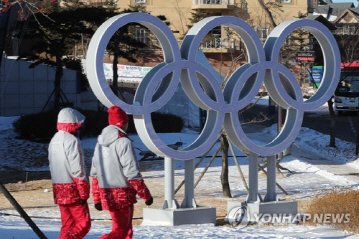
column 347, row 30
column 213, row 2
column 216, row 43
column 97, row 3
column 213, row 43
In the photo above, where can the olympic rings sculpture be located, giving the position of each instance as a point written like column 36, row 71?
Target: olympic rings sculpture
column 200, row 85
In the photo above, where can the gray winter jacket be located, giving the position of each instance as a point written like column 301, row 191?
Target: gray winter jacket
column 67, row 167
column 116, row 172
column 66, row 158
column 114, row 160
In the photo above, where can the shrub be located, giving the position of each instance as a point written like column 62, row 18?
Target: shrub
column 42, row 126
column 339, row 202
column 94, row 123
column 165, row 123
column 36, row 127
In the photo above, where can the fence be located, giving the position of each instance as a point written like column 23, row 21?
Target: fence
column 25, row 91
column 217, row 43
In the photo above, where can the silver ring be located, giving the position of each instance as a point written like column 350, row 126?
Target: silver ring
column 201, row 86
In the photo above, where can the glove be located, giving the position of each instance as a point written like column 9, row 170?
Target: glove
column 98, row 206
column 149, row 201
column 82, row 202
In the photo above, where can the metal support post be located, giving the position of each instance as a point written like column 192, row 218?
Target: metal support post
column 188, row 200
column 22, row 213
column 170, row 202
column 271, row 179
column 253, row 178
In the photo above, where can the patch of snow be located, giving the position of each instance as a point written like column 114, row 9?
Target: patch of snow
column 19, row 154
column 306, row 181
column 316, row 142
column 6, row 122
column 264, row 100
column 14, row 227
column 295, row 164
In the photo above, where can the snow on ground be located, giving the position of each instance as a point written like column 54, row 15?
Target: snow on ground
column 316, row 142
column 16, row 154
column 308, row 180
column 264, row 100
column 15, row 228
column 6, row 122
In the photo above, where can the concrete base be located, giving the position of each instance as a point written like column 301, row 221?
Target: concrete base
column 176, row 217
column 286, row 208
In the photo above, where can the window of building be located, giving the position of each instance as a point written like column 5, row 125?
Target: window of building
column 140, row 35
column 262, row 32
column 140, row 1
column 211, row 2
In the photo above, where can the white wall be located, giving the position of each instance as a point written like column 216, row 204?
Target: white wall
column 25, row 91
column 182, row 106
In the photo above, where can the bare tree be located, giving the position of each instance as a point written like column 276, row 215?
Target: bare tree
column 183, row 23
column 332, row 123
column 268, row 13
column 224, row 174
column 348, row 41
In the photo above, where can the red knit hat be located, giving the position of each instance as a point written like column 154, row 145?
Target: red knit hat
column 116, row 116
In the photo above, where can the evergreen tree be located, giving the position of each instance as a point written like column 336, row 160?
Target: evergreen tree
column 56, row 34
column 123, row 43
column 299, row 40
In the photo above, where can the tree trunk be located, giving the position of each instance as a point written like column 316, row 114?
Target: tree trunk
column 332, row 123
column 267, row 13
column 57, row 83
column 224, row 173
column 114, row 69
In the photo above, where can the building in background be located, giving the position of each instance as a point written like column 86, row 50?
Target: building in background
column 331, row 11
column 179, row 13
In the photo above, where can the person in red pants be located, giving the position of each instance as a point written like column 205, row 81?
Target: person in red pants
column 70, row 183
column 116, row 175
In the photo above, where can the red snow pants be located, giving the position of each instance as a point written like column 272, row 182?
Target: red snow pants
column 121, row 224
column 76, row 221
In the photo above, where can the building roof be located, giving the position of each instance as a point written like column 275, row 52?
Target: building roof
column 324, row 2
column 322, row 20
column 345, row 14
column 347, row 4
column 355, row 11
column 355, row 2
column 335, row 8
column 331, row 10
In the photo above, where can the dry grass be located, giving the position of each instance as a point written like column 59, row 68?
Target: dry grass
column 337, row 202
